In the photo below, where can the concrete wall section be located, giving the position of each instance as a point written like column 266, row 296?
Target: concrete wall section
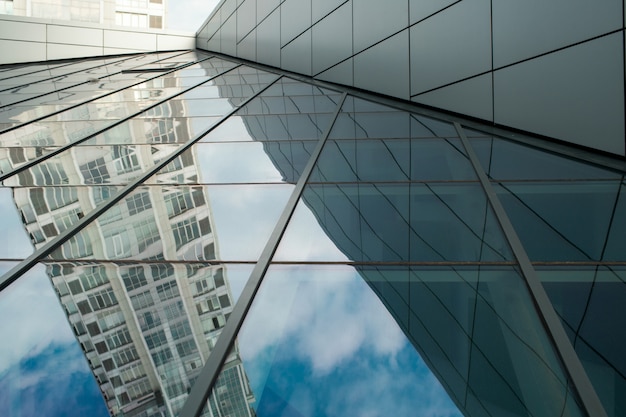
column 27, row 39
column 552, row 68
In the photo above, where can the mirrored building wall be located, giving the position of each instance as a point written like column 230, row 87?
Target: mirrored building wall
column 555, row 69
column 198, row 236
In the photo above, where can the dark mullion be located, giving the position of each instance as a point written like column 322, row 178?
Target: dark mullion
column 552, row 324
column 204, row 383
column 49, row 247
column 64, row 148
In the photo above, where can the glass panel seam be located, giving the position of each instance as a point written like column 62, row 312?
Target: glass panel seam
column 544, row 308
column 37, row 119
column 45, row 250
column 204, row 383
column 61, row 149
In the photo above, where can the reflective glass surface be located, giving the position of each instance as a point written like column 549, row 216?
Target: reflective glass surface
column 590, row 303
column 504, row 160
column 183, row 223
column 115, row 164
column 142, row 328
column 244, row 162
column 391, row 223
column 12, row 225
column 572, row 221
column 336, row 340
column 387, row 283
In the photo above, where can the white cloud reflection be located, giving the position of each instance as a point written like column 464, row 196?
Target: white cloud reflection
column 320, row 337
column 33, row 318
column 329, row 315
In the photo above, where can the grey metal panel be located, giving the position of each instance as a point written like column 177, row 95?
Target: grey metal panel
column 213, row 44
column 228, row 36
column 227, row 8
column 421, row 9
column 576, row 94
column 21, row 51
column 375, row 20
column 320, row 8
column 62, row 51
column 246, row 49
column 295, row 18
column 246, row 18
column 384, row 68
column 22, row 31
column 129, row 40
column 268, row 40
column 332, row 38
column 297, row 55
column 523, row 29
column 471, row 97
column 451, row 45
column 74, row 35
column 214, row 24
column 265, row 7
column 342, row 73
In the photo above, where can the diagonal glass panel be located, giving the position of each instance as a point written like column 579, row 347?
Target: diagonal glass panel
column 245, row 162
column 504, row 160
column 102, row 108
column 43, row 370
column 392, row 160
column 12, row 225
column 202, row 223
column 48, row 211
column 85, row 120
column 318, row 342
column 570, row 221
column 590, row 303
column 144, row 328
column 85, row 165
column 393, row 223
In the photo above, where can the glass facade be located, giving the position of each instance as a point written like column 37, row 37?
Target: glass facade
column 186, row 234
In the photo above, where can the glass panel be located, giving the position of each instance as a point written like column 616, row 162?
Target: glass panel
column 590, row 303
column 504, row 160
column 276, row 116
column 393, row 160
column 245, row 162
column 154, row 131
column 364, row 119
column 571, row 221
column 12, row 225
column 85, row 165
column 43, row 370
column 49, row 211
column 385, row 222
column 183, row 223
column 426, row 329
column 293, row 368
column 145, row 329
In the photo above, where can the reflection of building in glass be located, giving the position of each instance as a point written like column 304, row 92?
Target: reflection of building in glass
column 146, row 329
column 499, row 254
column 131, row 13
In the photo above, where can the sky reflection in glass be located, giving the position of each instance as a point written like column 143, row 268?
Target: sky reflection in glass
column 318, row 342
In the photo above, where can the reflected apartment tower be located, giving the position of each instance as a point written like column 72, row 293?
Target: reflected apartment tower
column 146, row 327
column 130, row 13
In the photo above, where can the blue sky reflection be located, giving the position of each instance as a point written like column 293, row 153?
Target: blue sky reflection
column 43, row 371
column 318, row 342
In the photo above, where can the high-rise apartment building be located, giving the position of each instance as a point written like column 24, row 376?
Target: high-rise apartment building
column 129, row 13
column 328, row 208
